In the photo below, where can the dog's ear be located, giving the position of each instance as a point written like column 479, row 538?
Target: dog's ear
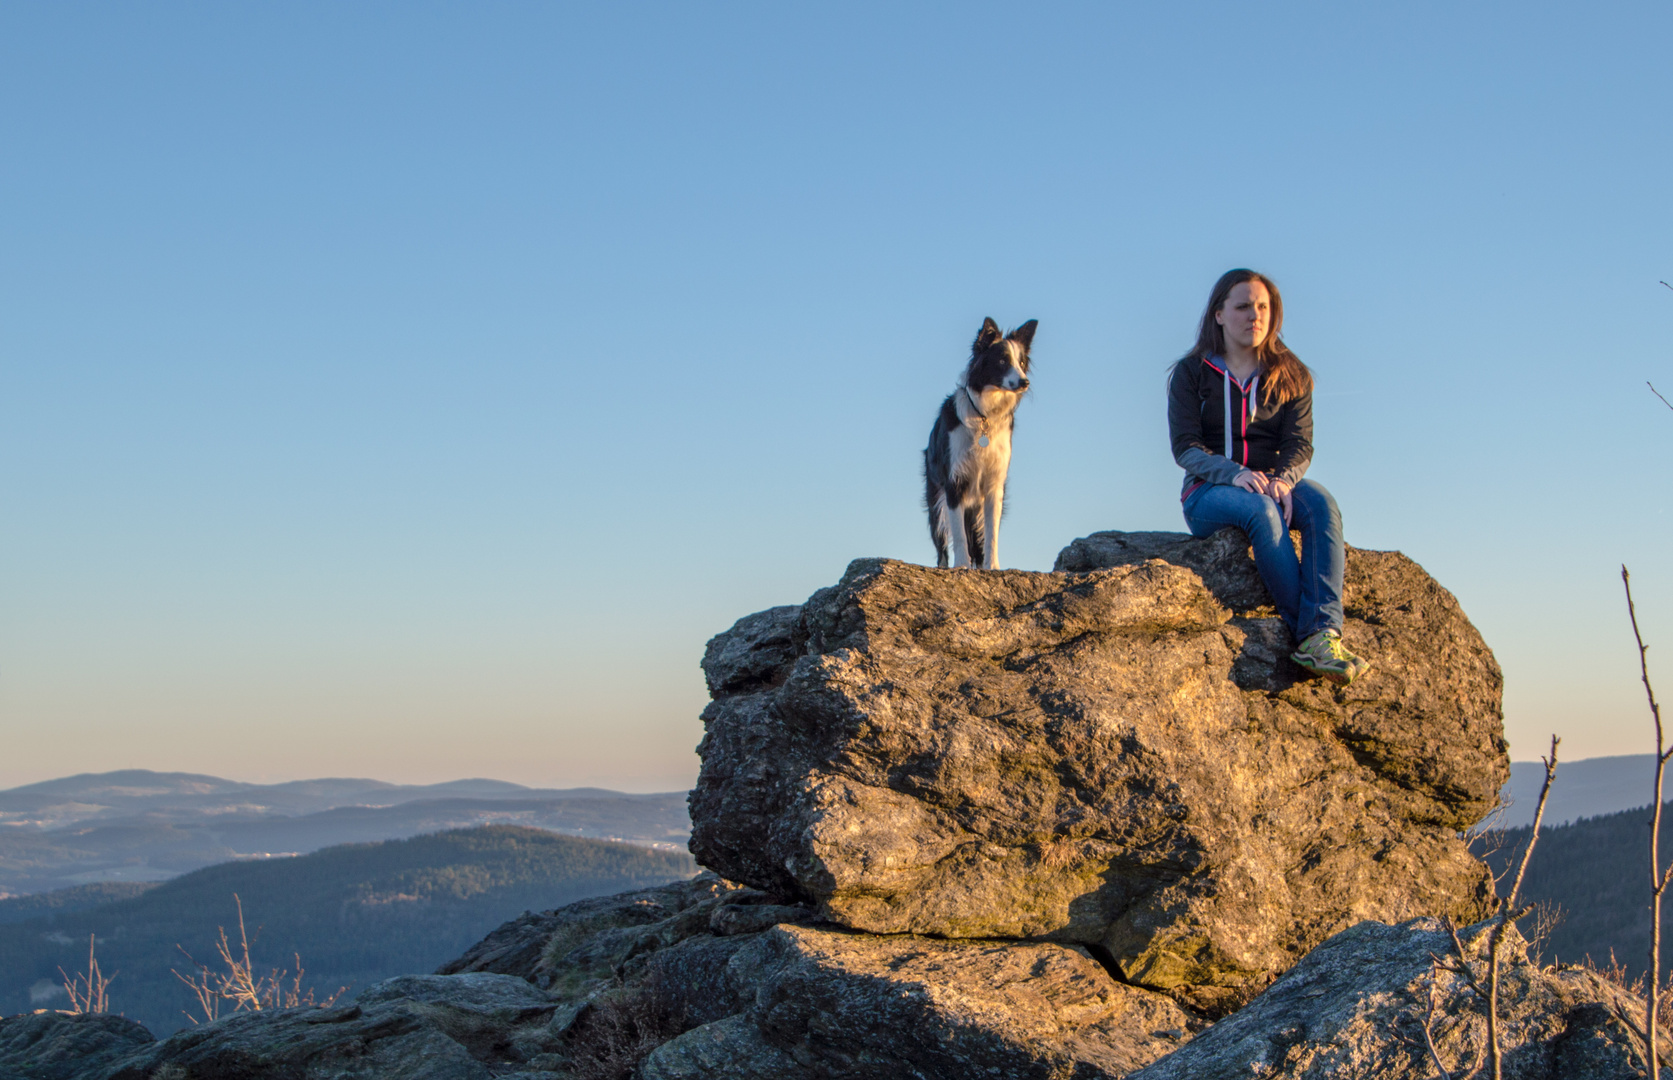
column 987, row 335
column 1025, row 333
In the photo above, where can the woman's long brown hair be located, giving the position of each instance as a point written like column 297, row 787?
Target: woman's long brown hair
column 1283, row 376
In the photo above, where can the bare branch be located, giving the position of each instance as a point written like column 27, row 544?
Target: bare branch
column 240, row 984
column 1506, row 916
column 87, row 989
column 1656, row 392
column 1658, row 877
column 1429, row 1026
column 1533, row 837
column 1463, row 966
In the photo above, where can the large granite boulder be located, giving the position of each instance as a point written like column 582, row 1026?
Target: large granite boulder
column 1356, row 1006
column 1105, row 757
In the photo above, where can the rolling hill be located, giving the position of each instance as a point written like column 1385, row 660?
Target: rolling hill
column 137, row 826
column 1597, row 872
column 356, row 913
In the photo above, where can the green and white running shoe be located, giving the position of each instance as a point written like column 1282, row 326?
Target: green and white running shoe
column 1324, row 654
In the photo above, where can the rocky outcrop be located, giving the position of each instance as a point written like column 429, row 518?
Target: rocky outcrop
column 827, row 1003
column 1357, row 1004
column 707, row 978
column 48, row 1045
column 609, row 937
column 417, row 1027
column 1108, row 757
column 823, row 1002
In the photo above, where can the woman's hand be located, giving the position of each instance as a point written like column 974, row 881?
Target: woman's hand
column 1280, row 491
column 1251, row 481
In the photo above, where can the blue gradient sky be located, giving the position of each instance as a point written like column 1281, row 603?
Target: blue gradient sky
column 409, row 390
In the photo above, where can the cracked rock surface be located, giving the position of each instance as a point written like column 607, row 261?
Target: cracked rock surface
column 1355, row 1007
column 821, row 1002
column 1118, row 756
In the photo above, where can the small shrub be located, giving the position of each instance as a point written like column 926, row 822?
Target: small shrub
column 87, row 989
column 239, row 984
column 1616, row 974
column 622, row 1028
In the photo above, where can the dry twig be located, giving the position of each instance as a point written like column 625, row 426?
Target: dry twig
column 1658, row 876
column 1460, row 964
column 87, row 989
column 240, row 984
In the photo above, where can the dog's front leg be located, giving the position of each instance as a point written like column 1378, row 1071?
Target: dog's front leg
column 961, row 542
column 992, row 507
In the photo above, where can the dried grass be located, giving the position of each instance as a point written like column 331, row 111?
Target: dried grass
column 622, row 1027
column 239, row 983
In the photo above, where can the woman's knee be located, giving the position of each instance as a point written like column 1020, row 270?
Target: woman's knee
column 1314, row 501
column 1266, row 523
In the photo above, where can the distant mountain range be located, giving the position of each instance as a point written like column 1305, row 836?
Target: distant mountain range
column 356, row 914
column 1585, row 788
column 142, row 826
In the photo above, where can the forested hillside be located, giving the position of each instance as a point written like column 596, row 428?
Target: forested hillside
column 1597, row 871
column 136, row 826
column 356, row 913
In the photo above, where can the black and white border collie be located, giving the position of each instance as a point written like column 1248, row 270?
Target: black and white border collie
column 969, row 448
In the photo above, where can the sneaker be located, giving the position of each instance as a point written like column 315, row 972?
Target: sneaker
column 1324, row 654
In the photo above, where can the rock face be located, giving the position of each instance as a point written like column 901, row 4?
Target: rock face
column 609, row 937
column 423, row 1027
column 1110, row 757
column 685, row 1001
column 828, row 1003
column 50, row 1045
column 706, row 978
column 726, row 982
column 1355, row 1007
column 1428, row 714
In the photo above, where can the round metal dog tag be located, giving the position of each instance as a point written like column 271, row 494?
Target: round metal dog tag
column 983, row 441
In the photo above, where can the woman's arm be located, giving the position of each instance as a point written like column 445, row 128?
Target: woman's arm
column 1190, row 450
column 1295, row 440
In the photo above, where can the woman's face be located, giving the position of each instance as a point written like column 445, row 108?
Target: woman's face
column 1246, row 316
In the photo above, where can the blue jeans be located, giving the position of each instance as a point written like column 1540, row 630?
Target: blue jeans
column 1307, row 592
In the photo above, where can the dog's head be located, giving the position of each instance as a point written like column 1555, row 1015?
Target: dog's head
column 999, row 362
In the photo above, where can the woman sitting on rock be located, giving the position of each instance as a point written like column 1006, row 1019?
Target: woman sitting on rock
column 1240, row 415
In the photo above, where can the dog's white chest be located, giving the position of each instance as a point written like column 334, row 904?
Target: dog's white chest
column 980, row 454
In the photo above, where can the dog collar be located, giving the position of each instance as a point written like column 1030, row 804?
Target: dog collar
column 980, row 426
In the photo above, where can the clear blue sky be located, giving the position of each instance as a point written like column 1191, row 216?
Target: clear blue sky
column 409, row 390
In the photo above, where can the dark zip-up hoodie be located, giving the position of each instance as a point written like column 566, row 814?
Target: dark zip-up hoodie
column 1276, row 440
